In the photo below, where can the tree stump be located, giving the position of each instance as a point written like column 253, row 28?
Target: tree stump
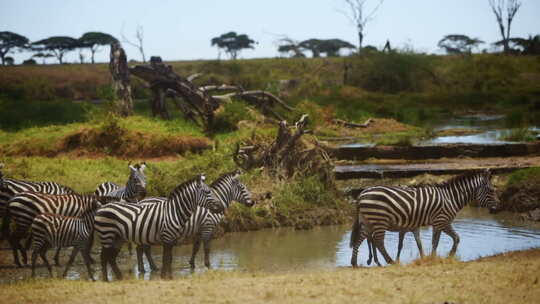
column 120, row 77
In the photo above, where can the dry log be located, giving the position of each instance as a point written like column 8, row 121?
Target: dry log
column 287, row 155
column 352, row 124
column 120, row 77
column 199, row 100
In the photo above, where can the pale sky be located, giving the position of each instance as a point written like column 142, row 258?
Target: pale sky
column 182, row 30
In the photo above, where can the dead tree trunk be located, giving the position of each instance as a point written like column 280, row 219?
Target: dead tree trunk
column 120, row 76
column 199, row 103
column 288, row 155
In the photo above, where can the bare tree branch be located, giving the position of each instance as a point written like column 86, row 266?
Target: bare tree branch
column 139, row 35
column 498, row 8
column 357, row 15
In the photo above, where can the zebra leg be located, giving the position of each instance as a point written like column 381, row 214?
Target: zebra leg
column 194, row 251
column 105, row 253
column 57, row 257
column 112, row 261
column 148, row 253
column 207, row 251
column 71, row 259
column 43, row 254
column 378, row 239
column 354, row 256
column 416, row 234
column 400, row 244
column 374, row 250
column 86, row 257
column 89, row 248
column 130, row 248
column 455, row 237
column 435, row 241
column 34, row 258
column 14, row 242
column 139, row 250
column 166, row 268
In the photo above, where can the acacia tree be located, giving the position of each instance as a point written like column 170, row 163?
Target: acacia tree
column 458, row 44
column 330, row 47
column 511, row 7
column 93, row 40
column 360, row 17
column 288, row 45
column 10, row 42
column 56, row 45
column 43, row 56
column 233, row 43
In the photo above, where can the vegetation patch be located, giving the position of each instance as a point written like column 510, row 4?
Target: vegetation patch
column 522, row 191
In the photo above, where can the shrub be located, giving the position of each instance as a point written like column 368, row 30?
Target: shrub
column 232, row 113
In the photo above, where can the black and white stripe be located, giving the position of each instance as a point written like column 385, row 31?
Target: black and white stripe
column 24, row 207
column 133, row 191
column 57, row 231
column 202, row 222
column 153, row 223
column 407, row 208
column 10, row 187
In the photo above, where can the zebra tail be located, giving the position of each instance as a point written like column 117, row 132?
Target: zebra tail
column 356, row 229
column 5, row 225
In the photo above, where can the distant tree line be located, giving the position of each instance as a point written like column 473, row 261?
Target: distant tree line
column 55, row 46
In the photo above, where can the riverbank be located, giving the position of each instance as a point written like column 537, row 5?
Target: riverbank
column 506, row 278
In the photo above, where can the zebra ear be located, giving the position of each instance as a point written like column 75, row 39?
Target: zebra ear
column 143, row 166
column 237, row 173
column 487, row 172
column 202, row 178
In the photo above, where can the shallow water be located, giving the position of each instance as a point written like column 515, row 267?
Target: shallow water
column 277, row 250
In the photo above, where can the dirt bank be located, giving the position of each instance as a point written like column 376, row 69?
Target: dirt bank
column 506, row 278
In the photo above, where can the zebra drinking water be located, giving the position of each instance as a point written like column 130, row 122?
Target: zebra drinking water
column 203, row 223
column 53, row 230
column 389, row 208
column 133, row 191
column 147, row 224
column 24, row 207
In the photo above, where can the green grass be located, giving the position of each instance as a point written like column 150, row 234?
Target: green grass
column 529, row 176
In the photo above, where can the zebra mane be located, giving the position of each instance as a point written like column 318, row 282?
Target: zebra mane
column 186, row 184
column 228, row 175
column 451, row 181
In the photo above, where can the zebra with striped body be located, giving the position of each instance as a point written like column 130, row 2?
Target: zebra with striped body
column 153, row 223
column 203, row 223
column 133, row 191
column 356, row 241
column 10, row 187
column 406, row 208
column 53, row 230
column 24, row 207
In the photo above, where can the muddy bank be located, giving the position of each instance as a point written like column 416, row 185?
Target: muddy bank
column 435, row 151
column 506, row 278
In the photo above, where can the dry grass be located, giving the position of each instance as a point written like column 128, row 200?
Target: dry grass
column 508, row 278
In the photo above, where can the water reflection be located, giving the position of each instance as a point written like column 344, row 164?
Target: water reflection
column 272, row 250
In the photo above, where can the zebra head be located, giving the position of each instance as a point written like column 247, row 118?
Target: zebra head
column 486, row 195
column 206, row 197
column 240, row 192
column 136, row 184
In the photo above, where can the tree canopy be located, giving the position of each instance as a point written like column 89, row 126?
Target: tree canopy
column 525, row 46
column 330, row 47
column 458, row 44
column 57, row 45
column 9, row 42
column 233, row 43
column 92, row 41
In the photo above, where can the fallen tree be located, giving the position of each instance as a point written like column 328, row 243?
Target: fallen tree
column 199, row 103
column 287, row 155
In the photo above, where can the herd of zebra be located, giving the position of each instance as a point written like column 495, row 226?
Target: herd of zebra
column 58, row 217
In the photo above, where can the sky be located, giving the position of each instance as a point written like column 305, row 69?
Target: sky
column 182, row 30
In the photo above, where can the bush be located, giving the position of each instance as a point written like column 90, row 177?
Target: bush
column 230, row 116
column 390, row 72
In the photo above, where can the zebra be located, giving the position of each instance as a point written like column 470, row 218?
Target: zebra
column 53, row 230
column 133, row 191
column 155, row 223
column 24, row 207
column 10, row 187
column 386, row 208
column 203, row 223
column 356, row 241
